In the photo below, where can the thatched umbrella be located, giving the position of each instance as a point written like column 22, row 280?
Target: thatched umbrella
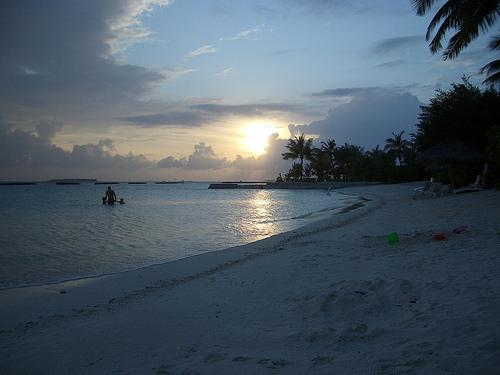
column 449, row 153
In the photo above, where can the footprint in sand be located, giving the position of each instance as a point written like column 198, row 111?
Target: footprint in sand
column 214, row 357
column 328, row 302
column 322, row 360
column 273, row 363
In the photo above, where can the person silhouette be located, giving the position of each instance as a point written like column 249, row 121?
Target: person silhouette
column 110, row 197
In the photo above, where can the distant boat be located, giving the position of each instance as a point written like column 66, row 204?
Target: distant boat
column 169, row 182
column 67, row 183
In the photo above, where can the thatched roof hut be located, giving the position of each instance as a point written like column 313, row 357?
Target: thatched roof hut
column 450, row 151
column 448, row 155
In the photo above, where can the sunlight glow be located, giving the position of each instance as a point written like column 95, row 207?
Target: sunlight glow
column 255, row 137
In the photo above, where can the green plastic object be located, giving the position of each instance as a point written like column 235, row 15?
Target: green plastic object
column 392, row 238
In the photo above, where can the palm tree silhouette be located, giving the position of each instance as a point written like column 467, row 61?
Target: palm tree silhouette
column 298, row 148
column 397, row 145
column 329, row 148
column 468, row 18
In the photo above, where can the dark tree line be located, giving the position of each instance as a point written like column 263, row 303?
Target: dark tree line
column 349, row 162
column 463, row 114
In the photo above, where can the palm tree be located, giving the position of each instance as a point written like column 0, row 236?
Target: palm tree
column 492, row 69
column 468, row 18
column 397, row 145
column 319, row 163
column 298, row 148
column 329, row 148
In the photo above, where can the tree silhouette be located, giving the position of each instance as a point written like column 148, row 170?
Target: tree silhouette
column 468, row 18
column 319, row 163
column 329, row 148
column 397, row 146
column 298, row 148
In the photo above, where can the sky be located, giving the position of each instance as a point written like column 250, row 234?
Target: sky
column 207, row 89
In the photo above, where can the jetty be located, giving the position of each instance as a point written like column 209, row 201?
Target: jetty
column 325, row 185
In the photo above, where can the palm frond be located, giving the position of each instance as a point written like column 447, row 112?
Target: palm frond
column 495, row 43
column 422, row 6
column 492, row 69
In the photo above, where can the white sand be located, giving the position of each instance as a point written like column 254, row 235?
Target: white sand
column 331, row 298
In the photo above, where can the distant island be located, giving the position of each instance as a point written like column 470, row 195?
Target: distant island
column 73, row 181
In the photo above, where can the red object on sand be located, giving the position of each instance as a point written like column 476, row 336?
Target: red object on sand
column 439, row 237
column 460, row 229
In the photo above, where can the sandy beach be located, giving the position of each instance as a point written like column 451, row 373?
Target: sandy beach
column 330, row 298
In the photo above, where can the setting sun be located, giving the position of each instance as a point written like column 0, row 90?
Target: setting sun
column 255, row 137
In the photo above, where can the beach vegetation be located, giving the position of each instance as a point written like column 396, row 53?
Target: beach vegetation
column 459, row 126
column 328, row 148
column 397, row 146
column 295, row 173
column 298, row 148
column 349, row 162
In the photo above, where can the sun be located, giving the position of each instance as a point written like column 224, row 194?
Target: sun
column 255, row 137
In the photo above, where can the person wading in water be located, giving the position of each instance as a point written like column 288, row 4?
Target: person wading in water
column 110, row 197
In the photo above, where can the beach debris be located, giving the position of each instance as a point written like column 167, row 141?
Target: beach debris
column 392, row 238
column 461, row 229
column 439, row 237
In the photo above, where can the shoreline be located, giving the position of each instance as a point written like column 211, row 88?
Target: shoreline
column 336, row 210
column 330, row 297
column 122, row 282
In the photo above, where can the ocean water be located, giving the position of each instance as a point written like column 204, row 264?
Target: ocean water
column 51, row 233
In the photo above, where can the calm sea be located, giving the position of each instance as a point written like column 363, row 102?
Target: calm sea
column 50, row 233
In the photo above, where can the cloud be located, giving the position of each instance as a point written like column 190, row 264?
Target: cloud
column 391, row 64
column 203, row 157
column 59, row 57
column 246, row 109
column 348, row 91
column 203, row 50
column 245, row 34
column 23, row 150
column 188, row 115
column 32, row 154
column 225, row 72
column 172, row 74
column 386, row 46
column 175, row 118
column 366, row 120
column 46, row 130
column 268, row 164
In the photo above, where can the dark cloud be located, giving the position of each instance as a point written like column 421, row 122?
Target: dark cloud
column 172, row 118
column 195, row 115
column 22, row 149
column 46, row 130
column 386, row 46
column 246, row 109
column 321, row 6
column 367, row 120
column 61, row 55
column 348, row 91
column 391, row 64
column 203, row 157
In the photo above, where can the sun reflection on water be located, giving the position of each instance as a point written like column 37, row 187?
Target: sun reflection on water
column 262, row 207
